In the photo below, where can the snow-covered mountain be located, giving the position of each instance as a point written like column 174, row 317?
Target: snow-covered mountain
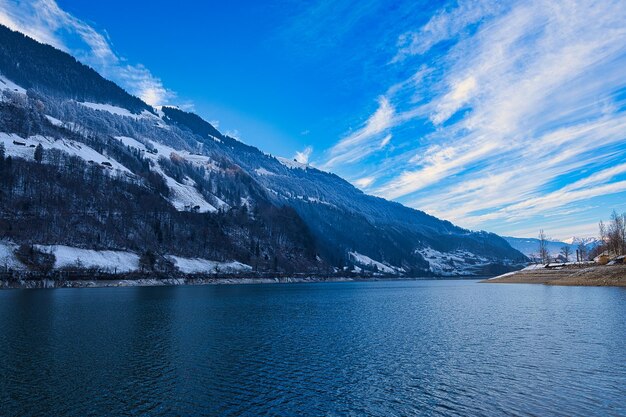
column 114, row 173
column 530, row 246
column 586, row 241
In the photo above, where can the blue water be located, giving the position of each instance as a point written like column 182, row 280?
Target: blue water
column 379, row 348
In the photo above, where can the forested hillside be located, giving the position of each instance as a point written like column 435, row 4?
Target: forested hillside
column 84, row 164
column 31, row 64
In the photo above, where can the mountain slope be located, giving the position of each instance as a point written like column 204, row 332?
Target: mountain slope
column 388, row 231
column 29, row 63
column 183, row 188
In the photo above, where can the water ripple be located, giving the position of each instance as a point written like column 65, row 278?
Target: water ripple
column 452, row 348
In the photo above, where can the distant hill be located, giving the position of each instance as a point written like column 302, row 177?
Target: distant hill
column 530, row 246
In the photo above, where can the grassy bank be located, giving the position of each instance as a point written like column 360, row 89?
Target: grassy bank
column 596, row 276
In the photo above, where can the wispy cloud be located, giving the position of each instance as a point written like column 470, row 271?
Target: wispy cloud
column 46, row 22
column 364, row 182
column 443, row 26
column 303, row 155
column 366, row 139
column 521, row 113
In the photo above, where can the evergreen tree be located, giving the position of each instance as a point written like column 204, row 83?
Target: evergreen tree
column 147, row 261
column 39, row 153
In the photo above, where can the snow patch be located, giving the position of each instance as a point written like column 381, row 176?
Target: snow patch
column 263, row 171
column 508, row 274
column 318, row 201
column 108, row 260
column 7, row 256
column 25, row 148
column 291, row 164
column 454, row 263
column 6, row 84
column 197, row 265
column 54, row 121
column 367, row 261
column 133, row 143
column 165, row 151
column 218, row 140
column 185, row 197
column 119, row 111
column 534, row 267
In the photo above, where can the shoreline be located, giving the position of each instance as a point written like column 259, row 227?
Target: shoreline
column 157, row 282
column 588, row 276
column 47, row 283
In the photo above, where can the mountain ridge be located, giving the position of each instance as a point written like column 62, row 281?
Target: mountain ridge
column 187, row 162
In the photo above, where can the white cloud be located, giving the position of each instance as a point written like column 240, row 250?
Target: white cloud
column 441, row 163
column 523, row 114
column 362, row 143
column 46, row 22
column 385, row 141
column 364, row 182
column 459, row 95
column 303, row 155
column 443, row 26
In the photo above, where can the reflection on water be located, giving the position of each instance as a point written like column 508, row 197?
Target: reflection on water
column 380, row 348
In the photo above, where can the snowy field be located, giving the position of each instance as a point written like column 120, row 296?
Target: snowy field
column 107, row 260
column 195, row 265
column 453, row 263
column 19, row 147
column 366, row 261
column 113, row 261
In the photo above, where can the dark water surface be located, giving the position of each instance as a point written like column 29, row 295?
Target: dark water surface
column 379, row 348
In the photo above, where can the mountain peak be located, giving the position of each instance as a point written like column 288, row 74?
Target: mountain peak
column 575, row 240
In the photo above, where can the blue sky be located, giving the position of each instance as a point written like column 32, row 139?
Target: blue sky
column 502, row 116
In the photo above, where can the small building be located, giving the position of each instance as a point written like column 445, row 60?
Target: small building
column 603, row 258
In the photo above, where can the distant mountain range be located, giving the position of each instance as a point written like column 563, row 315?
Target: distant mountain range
column 530, row 246
column 587, row 241
column 88, row 166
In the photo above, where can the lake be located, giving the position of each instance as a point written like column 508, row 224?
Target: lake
column 387, row 348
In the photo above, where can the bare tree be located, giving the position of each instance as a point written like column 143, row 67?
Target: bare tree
column 603, row 236
column 582, row 251
column 566, row 252
column 543, row 247
column 616, row 234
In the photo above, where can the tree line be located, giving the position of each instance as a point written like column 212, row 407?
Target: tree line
column 613, row 235
column 612, row 242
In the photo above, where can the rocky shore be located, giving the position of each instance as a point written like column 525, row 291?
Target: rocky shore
column 595, row 275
